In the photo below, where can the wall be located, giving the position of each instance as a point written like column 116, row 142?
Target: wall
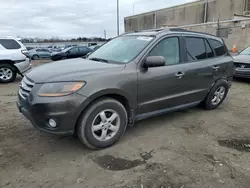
column 190, row 13
column 237, row 32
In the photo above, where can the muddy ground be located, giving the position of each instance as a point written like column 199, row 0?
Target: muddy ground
column 189, row 148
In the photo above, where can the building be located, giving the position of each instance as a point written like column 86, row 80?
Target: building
column 227, row 18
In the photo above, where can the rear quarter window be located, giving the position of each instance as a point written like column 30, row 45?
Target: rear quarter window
column 10, row 44
column 218, row 47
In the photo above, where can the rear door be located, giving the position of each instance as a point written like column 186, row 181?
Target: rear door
column 83, row 51
column 223, row 67
column 200, row 67
column 73, row 52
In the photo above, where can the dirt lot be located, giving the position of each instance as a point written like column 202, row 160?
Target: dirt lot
column 190, row 148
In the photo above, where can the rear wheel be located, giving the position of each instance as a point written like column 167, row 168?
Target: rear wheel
column 102, row 124
column 35, row 57
column 7, row 73
column 216, row 95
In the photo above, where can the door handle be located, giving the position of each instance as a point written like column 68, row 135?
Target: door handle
column 179, row 74
column 216, row 67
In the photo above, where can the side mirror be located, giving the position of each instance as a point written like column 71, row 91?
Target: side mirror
column 155, row 61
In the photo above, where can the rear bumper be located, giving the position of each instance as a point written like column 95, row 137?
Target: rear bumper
column 242, row 72
column 24, row 66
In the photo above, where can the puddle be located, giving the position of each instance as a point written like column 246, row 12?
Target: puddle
column 240, row 145
column 110, row 162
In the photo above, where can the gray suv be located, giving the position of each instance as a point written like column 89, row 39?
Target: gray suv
column 132, row 77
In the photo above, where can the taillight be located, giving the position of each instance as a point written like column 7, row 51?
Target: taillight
column 25, row 52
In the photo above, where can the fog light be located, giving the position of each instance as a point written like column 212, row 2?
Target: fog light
column 52, row 123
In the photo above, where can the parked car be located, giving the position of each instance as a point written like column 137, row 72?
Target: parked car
column 132, row 77
column 242, row 64
column 13, row 59
column 71, row 52
column 39, row 53
column 94, row 48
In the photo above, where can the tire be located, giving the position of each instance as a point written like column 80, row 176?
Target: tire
column 7, row 73
column 35, row 57
column 63, row 58
column 92, row 115
column 215, row 96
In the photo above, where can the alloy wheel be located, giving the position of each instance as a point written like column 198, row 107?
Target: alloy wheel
column 218, row 95
column 5, row 73
column 106, row 125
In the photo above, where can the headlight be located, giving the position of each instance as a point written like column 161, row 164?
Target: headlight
column 60, row 89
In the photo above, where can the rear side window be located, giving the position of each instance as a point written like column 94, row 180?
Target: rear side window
column 195, row 48
column 10, row 44
column 218, row 47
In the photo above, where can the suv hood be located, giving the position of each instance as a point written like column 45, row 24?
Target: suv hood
column 70, row 70
column 242, row 59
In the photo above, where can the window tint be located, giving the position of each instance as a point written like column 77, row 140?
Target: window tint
column 39, row 50
column 83, row 49
column 73, row 50
column 210, row 52
column 196, row 48
column 168, row 48
column 218, row 47
column 10, row 44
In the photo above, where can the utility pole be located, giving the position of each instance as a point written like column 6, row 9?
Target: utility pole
column 118, row 18
column 133, row 9
column 105, row 36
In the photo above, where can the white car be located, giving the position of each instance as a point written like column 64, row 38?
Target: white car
column 13, row 59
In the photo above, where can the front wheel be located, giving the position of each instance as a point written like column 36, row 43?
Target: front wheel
column 216, row 95
column 103, row 123
column 7, row 73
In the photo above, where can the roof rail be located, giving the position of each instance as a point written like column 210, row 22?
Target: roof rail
column 148, row 30
column 188, row 31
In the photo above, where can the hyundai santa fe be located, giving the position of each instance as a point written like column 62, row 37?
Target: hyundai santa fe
column 132, row 77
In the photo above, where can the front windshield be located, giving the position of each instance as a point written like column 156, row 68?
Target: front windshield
column 122, row 49
column 246, row 51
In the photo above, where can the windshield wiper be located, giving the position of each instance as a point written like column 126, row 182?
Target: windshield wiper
column 99, row 59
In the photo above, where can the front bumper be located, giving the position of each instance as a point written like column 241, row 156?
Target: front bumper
column 24, row 66
column 64, row 110
column 242, row 72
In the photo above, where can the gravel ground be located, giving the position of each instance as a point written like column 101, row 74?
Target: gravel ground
column 189, row 148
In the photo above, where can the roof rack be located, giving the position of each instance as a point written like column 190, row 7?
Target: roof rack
column 188, row 31
column 151, row 30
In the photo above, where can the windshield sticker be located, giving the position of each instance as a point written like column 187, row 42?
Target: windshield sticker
column 145, row 38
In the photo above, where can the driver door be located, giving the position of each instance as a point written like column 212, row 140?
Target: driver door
column 161, row 88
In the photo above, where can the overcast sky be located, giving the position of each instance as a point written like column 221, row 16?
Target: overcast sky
column 70, row 18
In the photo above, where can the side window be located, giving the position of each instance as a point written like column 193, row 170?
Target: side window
column 83, row 49
column 10, row 44
column 168, row 48
column 73, row 50
column 195, row 48
column 210, row 52
column 218, row 47
column 39, row 50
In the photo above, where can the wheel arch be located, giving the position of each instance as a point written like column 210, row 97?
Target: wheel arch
column 116, row 94
column 9, row 62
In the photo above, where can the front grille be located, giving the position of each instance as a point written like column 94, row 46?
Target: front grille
column 25, row 87
column 242, row 65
